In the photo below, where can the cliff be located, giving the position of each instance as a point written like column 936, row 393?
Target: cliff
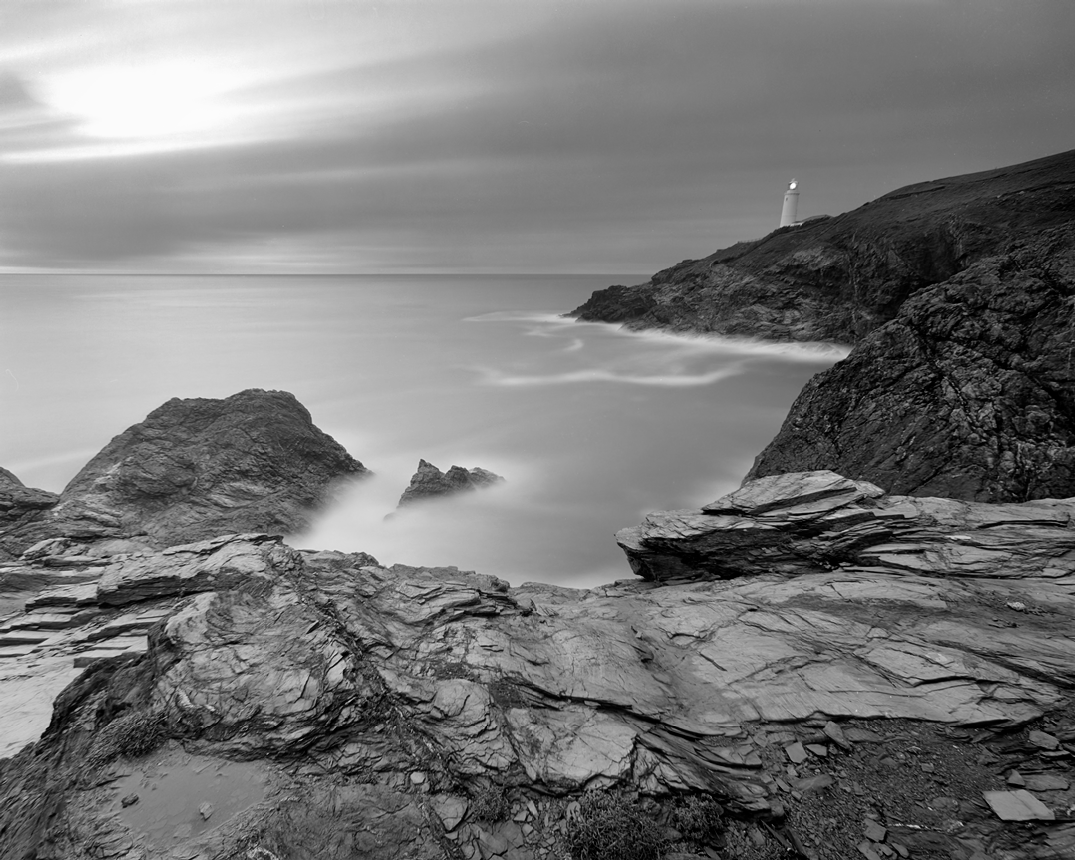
column 969, row 392
column 839, row 278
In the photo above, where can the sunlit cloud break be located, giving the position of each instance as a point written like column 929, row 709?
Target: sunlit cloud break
column 571, row 377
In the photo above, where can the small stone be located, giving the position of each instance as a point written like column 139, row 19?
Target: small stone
column 820, row 750
column 814, row 783
column 1044, row 740
column 1017, row 605
column 987, row 758
column 927, row 768
column 205, row 810
column 418, row 777
column 129, row 800
column 796, row 752
column 836, row 735
column 1055, row 754
column 1015, row 778
column 900, row 849
column 875, row 832
column 866, row 850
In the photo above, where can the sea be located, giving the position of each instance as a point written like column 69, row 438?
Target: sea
column 592, row 426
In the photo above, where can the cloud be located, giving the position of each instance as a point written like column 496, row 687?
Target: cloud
column 484, row 135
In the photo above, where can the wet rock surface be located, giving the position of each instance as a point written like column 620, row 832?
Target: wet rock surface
column 877, row 709
column 429, row 482
column 968, row 393
column 194, row 469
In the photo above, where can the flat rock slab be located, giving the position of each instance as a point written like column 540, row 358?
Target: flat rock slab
column 1018, row 805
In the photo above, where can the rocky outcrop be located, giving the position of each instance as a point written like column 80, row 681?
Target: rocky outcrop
column 198, row 468
column 19, row 502
column 968, row 393
column 429, row 482
column 839, row 278
column 829, row 664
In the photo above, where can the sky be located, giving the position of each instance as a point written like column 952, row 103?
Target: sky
column 494, row 135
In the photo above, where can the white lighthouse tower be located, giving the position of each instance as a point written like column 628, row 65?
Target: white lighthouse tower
column 789, row 215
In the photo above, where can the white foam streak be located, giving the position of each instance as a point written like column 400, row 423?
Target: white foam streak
column 667, row 380
column 554, row 325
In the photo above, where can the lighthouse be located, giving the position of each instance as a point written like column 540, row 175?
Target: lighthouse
column 789, row 215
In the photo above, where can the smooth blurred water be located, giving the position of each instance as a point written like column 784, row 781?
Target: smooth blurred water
column 592, row 426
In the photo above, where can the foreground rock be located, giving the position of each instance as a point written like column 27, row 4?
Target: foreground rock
column 838, row 279
column 968, row 393
column 387, row 712
column 197, row 468
column 429, row 482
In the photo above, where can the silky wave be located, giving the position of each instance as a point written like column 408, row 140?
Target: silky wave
column 553, row 325
column 593, row 374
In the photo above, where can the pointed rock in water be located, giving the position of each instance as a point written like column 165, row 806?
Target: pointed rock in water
column 199, row 468
column 430, row 482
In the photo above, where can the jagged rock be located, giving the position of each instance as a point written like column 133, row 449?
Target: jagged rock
column 968, row 393
column 430, row 482
column 838, row 279
column 198, row 468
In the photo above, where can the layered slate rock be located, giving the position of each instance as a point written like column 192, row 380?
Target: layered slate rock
column 197, row 468
column 429, row 482
column 968, row 393
column 388, row 710
column 839, row 278
column 802, row 523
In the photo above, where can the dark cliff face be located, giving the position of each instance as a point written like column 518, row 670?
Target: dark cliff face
column 839, row 278
column 197, row 468
column 968, row 393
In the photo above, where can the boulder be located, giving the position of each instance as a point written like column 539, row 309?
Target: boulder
column 198, row 468
column 429, row 482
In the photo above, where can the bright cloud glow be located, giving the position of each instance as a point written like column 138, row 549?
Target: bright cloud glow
column 162, row 99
